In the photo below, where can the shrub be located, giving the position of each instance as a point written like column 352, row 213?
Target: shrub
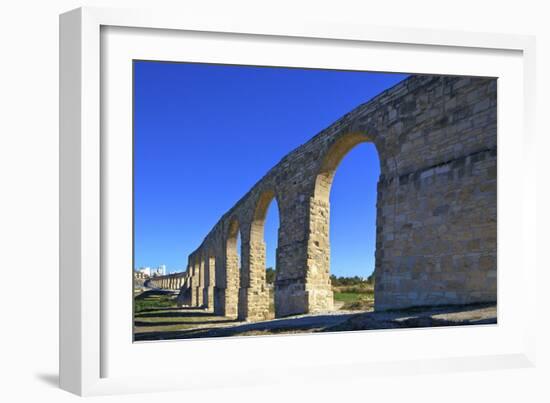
column 270, row 275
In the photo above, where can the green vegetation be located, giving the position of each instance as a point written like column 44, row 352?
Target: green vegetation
column 352, row 281
column 350, row 293
column 353, row 296
column 153, row 300
column 270, row 275
column 353, row 293
column 157, row 312
column 355, row 301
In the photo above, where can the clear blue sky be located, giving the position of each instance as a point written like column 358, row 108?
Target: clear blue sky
column 205, row 134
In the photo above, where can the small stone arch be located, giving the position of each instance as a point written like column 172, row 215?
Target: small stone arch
column 260, row 213
column 209, row 280
column 254, row 294
column 232, row 268
column 197, row 292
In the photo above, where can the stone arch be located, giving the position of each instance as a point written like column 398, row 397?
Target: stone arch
column 254, row 295
column 209, row 280
column 260, row 213
column 201, row 279
column 232, row 269
column 330, row 161
column 317, row 288
column 195, row 284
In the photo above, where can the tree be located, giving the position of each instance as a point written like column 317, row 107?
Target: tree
column 270, row 275
column 370, row 279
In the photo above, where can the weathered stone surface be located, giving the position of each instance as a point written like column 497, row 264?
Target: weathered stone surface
column 436, row 209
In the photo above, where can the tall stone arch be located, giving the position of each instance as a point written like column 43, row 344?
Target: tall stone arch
column 209, row 280
column 254, row 295
column 232, row 269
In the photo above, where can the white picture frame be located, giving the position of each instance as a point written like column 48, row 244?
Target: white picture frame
column 83, row 294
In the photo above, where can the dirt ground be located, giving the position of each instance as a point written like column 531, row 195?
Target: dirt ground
column 183, row 323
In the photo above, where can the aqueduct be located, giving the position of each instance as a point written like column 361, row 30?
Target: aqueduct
column 436, row 235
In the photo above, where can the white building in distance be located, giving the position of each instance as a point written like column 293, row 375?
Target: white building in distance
column 159, row 271
column 144, row 271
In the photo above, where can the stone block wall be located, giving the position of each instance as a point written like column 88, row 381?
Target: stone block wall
column 437, row 234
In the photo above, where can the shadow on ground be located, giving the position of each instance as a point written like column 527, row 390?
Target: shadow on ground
column 176, row 313
column 477, row 314
column 173, row 323
column 452, row 315
column 310, row 323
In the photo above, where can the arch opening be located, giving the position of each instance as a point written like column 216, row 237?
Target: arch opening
column 331, row 161
column 210, row 281
column 343, row 219
column 233, row 268
column 263, row 242
column 199, row 283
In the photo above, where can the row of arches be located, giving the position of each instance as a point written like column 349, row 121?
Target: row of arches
column 231, row 280
column 435, row 208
